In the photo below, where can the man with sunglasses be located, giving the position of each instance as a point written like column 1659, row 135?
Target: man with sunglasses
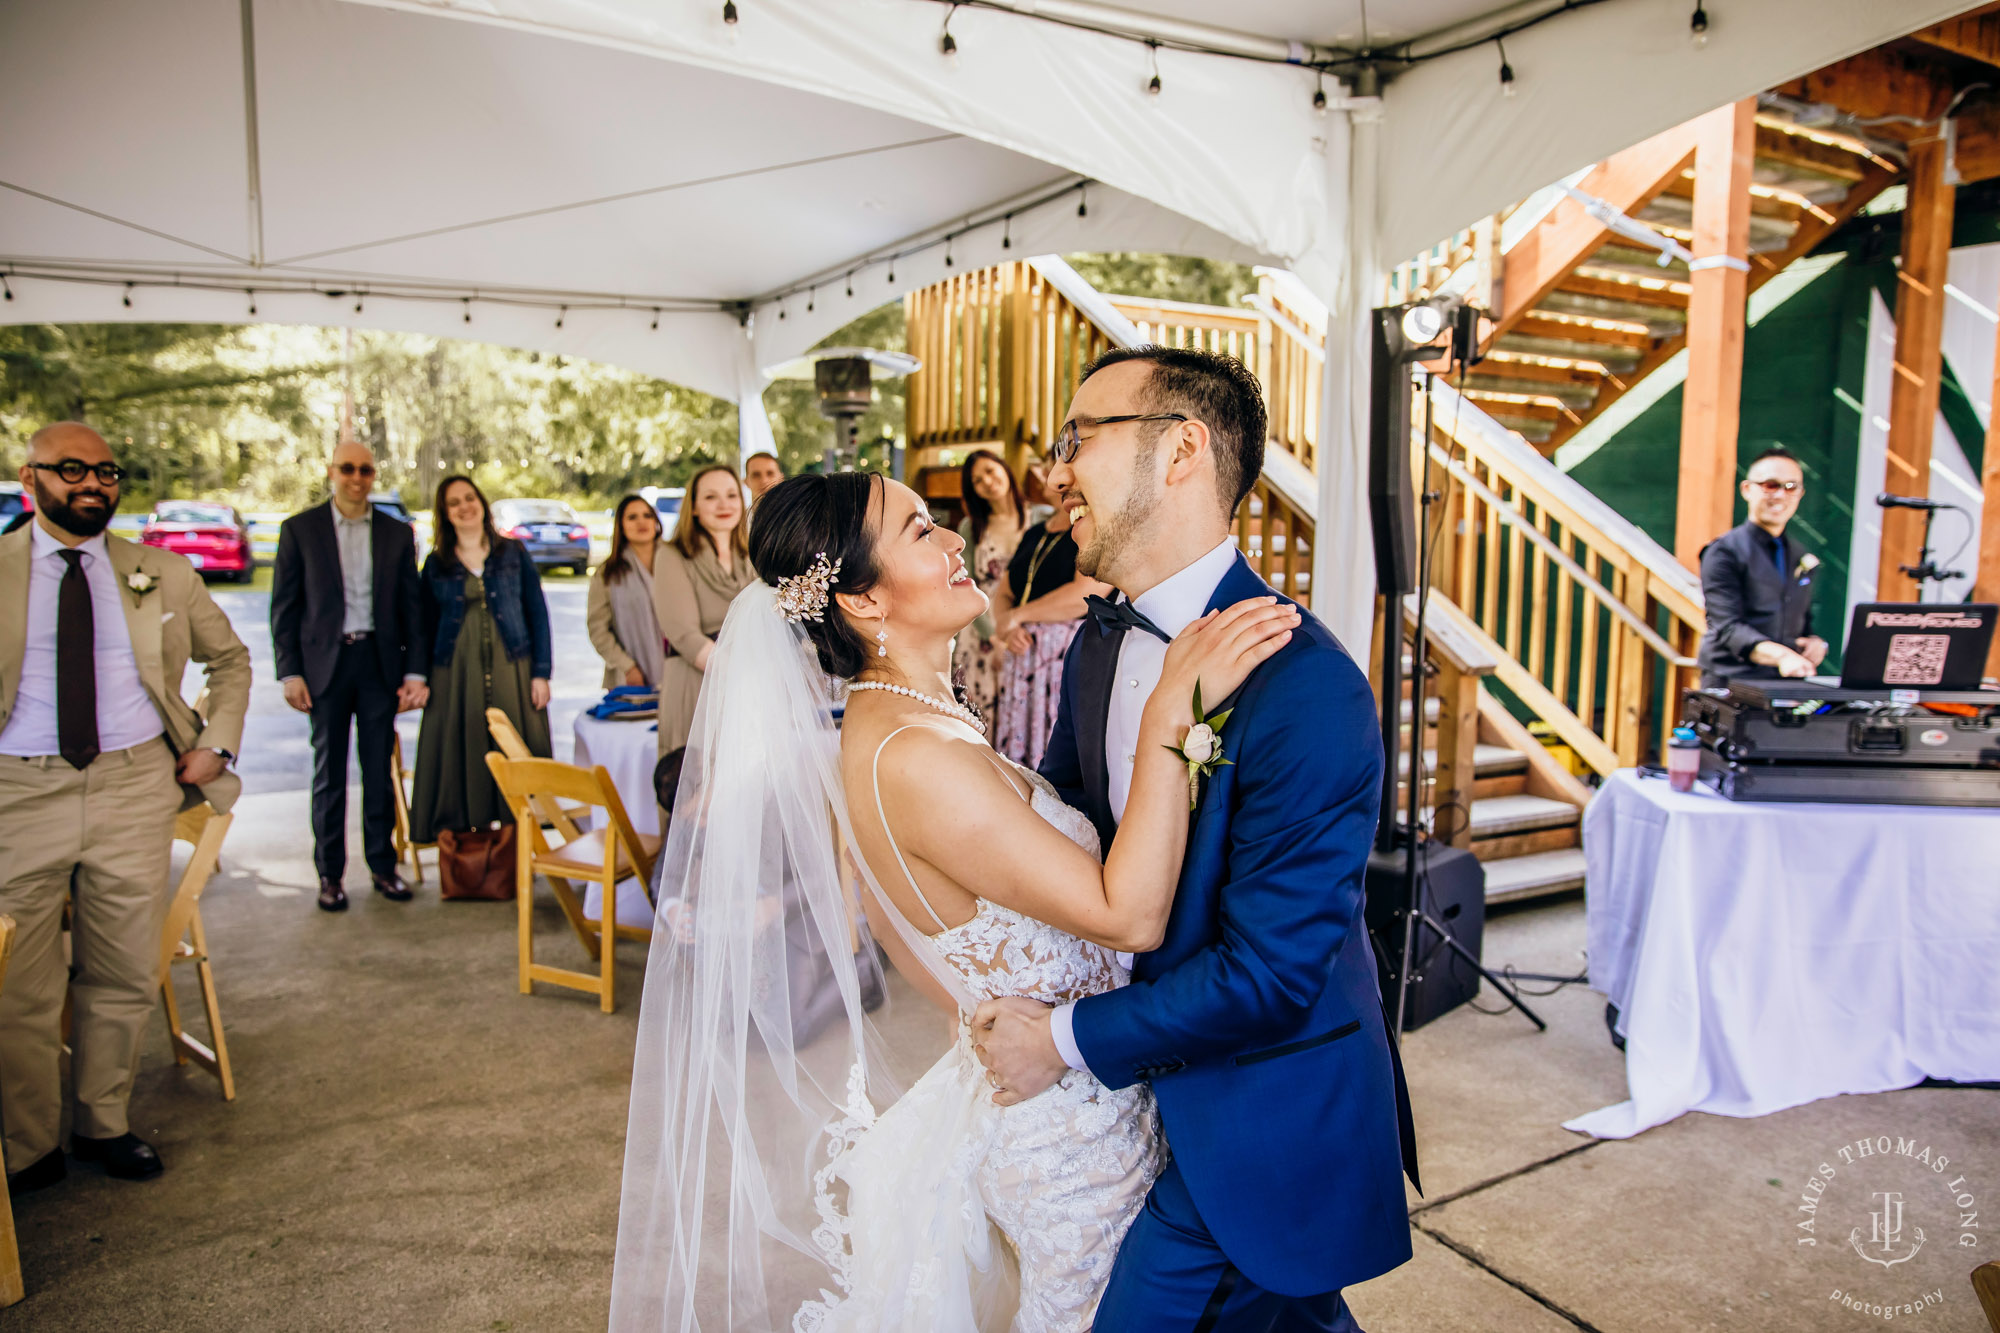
column 1757, row 584
column 347, row 626
column 98, row 753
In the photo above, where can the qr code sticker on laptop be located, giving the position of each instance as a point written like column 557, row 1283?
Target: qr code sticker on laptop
column 1916, row 659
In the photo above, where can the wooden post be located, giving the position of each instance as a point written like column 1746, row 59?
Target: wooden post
column 1725, row 142
column 1913, row 395
column 1986, row 583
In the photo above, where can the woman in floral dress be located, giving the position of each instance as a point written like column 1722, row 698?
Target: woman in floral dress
column 995, row 515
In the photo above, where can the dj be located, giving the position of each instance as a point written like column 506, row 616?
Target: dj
column 1758, row 584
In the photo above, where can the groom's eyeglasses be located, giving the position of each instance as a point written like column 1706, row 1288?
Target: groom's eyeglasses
column 73, row 470
column 1070, row 438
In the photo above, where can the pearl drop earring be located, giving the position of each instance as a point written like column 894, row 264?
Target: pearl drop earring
column 882, row 639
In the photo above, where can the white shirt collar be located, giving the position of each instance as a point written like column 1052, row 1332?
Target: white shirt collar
column 45, row 546
column 338, row 517
column 1180, row 599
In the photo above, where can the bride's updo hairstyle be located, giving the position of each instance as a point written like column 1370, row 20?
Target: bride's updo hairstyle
column 795, row 522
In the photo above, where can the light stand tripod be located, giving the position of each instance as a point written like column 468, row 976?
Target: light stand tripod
column 1397, row 345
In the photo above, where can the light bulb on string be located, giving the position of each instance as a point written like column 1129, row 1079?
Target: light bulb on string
column 1153, row 84
column 730, row 29
column 4, row 287
column 562, row 313
column 948, row 44
column 850, row 282
column 1506, row 72
column 1698, row 26
column 251, row 292
column 892, row 270
column 128, row 296
column 1319, row 95
column 1007, row 232
column 467, row 302
column 812, row 295
column 656, row 319
column 947, row 252
column 1082, row 202
column 357, row 303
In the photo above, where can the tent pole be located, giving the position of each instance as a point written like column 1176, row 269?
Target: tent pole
column 253, row 161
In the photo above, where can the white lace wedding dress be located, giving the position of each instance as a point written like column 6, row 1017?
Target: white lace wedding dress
column 1061, row 1176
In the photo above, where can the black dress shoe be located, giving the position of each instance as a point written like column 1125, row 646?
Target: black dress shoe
column 332, row 898
column 391, row 886
column 127, row 1157
column 39, row 1174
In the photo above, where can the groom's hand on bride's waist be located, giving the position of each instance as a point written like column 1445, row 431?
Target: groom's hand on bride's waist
column 1011, row 1037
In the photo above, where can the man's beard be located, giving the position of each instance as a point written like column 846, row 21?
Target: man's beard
column 68, row 519
column 1116, row 533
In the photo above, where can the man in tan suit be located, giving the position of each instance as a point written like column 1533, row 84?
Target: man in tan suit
column 98, row 754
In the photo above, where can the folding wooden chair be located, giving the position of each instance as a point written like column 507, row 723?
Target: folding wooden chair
column 182, row 941
column 399, row 783
column 607, row 856
column 509, row 740
column 12, row 1288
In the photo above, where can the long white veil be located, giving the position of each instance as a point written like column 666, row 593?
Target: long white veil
column 741, row 1084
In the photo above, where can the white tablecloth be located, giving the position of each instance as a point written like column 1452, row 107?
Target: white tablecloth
column 1766, row 955
column 628, row 751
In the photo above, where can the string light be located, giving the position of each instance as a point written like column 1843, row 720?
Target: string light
column 656, row 319
column 1007, row 232
column 947, row 252
column 850, row 282
column 468, row 308
column 892, row 270
column 1319, row 94
column 5, row 288
column 1506, row 71
column 1082, row 203
column 562, row 313
column 1153, row 84
column 128, row 296
column 729, row 12
column 947, row 44
column 251, row 292
column 357, row 303
column 1698, row 26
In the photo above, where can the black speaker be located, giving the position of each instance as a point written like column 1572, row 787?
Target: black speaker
column 1391, row 515
column 1451, row 891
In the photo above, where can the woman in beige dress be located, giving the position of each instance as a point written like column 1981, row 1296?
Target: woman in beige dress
column 619, row 615
column 695, row 578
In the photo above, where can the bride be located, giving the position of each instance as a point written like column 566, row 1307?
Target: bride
column 771, row 1183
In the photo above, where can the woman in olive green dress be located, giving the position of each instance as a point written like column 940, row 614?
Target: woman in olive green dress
column 695, row 578
column 490, row 648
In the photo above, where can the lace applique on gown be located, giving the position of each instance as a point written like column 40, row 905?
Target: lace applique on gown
column 1061, row 1175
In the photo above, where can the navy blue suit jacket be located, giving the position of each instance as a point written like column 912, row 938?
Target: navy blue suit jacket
column 1259, row 1020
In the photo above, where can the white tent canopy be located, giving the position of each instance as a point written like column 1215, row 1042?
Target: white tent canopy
column 635, row 182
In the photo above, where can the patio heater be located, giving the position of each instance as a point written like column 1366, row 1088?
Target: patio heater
column 844, row 386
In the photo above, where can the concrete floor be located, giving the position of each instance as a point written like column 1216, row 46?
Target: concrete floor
column 416, row 1146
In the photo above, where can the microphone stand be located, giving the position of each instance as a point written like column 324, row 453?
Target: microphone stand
column 1926, row 570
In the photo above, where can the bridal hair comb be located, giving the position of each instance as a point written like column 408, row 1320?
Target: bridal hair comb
column 804, row 596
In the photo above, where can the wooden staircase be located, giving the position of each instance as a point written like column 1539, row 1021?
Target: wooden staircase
column 1582, row 313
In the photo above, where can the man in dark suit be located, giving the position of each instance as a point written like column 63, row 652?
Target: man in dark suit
column 1257, row 1022
column 1756, row 584
column 347, row 623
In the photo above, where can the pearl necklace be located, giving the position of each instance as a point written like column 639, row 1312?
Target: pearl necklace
column 959, row 711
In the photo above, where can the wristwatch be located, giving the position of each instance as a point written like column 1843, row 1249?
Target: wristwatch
column 228, row 756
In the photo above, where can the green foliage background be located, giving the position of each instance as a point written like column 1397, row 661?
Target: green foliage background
column 248, row 413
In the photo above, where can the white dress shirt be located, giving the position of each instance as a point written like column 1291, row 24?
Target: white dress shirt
column 1173, row 605
column 125, row 712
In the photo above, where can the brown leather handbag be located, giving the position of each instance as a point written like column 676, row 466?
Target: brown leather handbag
column 477, row 864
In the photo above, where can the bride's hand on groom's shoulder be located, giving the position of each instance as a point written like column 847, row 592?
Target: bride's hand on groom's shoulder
column 1011, row 1037
column 1219, row 651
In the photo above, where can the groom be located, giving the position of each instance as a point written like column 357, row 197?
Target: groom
column 1257, row 1022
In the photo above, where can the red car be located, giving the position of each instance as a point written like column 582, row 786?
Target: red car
column 214, row 537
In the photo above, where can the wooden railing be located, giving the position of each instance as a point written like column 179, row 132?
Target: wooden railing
column 1004, row 348
column 1596, row 623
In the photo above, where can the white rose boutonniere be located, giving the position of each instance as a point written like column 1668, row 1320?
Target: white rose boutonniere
column 1807, row 564
column 1201, row 748
column 140, row 582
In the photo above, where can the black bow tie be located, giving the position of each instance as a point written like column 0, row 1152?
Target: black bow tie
column 1121, row 616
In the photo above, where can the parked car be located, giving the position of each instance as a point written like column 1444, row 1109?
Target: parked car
column 549, row 529
column 391, row 504
column 214, row 537
column 667, row 504
column 14, row 502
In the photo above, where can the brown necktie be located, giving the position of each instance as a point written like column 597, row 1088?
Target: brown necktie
column 76, row 665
